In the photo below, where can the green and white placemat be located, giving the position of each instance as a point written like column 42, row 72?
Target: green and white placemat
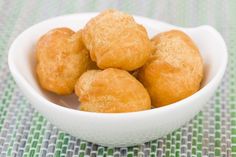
column 24, row 132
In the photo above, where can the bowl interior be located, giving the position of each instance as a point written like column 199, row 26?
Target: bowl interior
column 23, row 56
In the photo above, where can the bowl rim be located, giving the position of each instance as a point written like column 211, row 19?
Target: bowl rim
column 217, row 77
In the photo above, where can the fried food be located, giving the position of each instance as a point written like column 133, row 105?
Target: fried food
column 115, row 40
column 175, row 71
column 111, row 91
column 61, row 59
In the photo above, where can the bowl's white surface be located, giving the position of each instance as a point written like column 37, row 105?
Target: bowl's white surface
column 123, row 129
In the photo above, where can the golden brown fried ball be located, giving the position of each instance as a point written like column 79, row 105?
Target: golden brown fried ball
column 115, row 40
column 175, row 71
column 61, row 59
column 111, row 91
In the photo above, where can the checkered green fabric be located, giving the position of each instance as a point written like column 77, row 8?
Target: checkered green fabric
column 24, row 132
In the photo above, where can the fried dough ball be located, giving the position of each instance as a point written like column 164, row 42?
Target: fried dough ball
column 175, row 71
column 115, row 40
column 111, row 91
column 61, row 59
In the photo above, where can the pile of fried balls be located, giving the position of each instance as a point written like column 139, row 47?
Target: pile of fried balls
column 113, row 66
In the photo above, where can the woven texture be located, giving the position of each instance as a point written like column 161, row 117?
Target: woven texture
column 24, row 132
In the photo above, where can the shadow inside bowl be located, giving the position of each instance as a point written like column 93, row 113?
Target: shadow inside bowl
column 69, row 101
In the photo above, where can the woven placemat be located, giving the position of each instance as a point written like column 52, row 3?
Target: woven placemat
column 24, row 132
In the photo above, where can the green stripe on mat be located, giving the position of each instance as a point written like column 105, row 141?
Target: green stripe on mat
column 232, row 65
column 5, row 100
column 35, row 137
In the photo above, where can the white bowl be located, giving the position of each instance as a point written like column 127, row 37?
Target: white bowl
column 123, row 129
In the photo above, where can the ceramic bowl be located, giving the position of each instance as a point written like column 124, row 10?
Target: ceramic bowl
column 123, row 129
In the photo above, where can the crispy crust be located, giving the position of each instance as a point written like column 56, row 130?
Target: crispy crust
column 175, row 71
column 115, row 40
column 61, row 59
column 111, row 91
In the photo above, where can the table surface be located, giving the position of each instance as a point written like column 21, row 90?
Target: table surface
column 24, row 132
